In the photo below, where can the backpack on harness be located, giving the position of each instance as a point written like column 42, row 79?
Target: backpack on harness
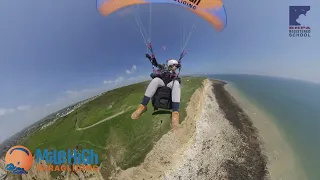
column 162, row 98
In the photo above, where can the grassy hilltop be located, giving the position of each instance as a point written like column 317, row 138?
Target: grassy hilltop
column 104, row 124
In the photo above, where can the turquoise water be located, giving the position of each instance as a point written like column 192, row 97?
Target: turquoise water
column 295, row 105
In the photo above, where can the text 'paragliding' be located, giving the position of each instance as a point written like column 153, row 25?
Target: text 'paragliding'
column 191, row 4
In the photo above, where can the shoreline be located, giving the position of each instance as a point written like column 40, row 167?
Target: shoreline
column 282, row 160
column 249, row 162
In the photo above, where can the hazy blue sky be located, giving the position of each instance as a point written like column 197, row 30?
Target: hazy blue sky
column 53, row 53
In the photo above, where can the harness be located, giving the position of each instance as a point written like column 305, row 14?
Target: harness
column 165, row 73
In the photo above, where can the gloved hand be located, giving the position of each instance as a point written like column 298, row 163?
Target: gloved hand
column 154, row 75
column 178, row 65
column 148, row 56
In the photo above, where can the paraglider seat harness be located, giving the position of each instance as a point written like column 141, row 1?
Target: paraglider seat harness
column 162, row 98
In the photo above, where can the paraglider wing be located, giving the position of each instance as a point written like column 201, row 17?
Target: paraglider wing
column 211, row 10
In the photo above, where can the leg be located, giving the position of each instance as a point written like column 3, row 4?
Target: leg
column 176, row 94
column 151, row 90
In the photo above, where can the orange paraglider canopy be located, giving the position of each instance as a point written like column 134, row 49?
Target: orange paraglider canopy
column 211, row 10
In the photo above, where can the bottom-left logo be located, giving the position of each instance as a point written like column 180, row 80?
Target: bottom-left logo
column 18, row 160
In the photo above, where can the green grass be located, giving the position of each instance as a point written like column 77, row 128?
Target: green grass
column 122, row 139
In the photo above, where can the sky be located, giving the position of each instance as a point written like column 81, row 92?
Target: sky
column 54, row 53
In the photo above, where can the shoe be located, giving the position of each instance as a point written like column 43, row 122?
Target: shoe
column 141, row 109
column 175, row 120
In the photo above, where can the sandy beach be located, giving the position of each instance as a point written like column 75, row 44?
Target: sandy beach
column 282, row 162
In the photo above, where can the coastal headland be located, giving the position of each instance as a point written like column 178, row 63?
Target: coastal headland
column 221, row 137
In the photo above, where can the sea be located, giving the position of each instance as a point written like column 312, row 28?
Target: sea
column 295, row 105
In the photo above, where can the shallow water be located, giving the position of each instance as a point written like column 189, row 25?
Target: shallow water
column 296, row 107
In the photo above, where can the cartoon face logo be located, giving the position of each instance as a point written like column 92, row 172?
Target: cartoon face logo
column 18, row 160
